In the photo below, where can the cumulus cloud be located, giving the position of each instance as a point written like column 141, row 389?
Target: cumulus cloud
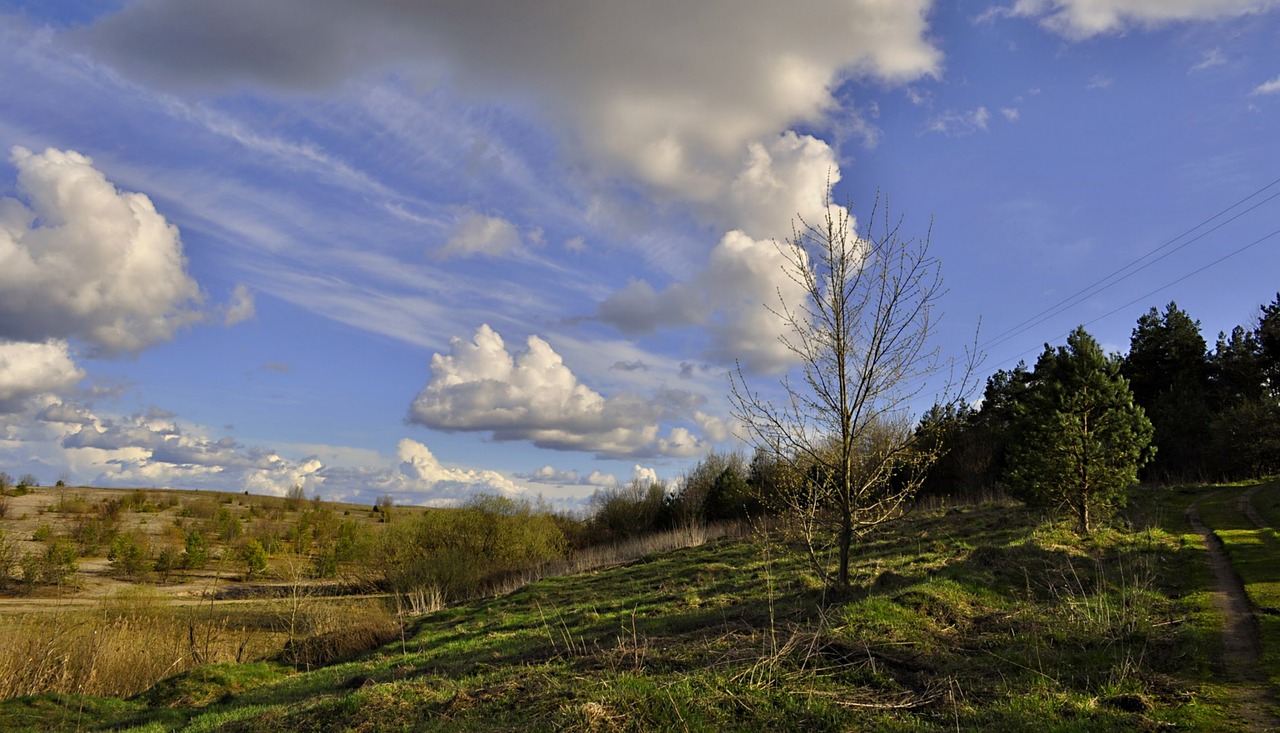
column 640, row 87
column 1080, row 19
column 28, row 369
column 556, row 477
column 785, row 180
column 81, row 258
column 532, row 395
column 478, row 234
column 153, row 449
column 420, row 465
column 732, row 297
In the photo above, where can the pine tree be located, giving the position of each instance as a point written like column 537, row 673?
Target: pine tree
column 1080, row 438
column 1168, row 372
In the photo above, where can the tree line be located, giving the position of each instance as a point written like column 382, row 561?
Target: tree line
column 1211, row 414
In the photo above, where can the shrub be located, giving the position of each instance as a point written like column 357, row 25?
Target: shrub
column 53, row 566
column 636, row 509
column 130, row 554
column 196, row 551
column 252, row 557
column 458, row 552
column 8, row 559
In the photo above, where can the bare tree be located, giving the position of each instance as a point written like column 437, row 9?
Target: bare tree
column 841, row 427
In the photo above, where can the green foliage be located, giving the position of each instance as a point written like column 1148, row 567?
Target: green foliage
column 195, row 551
column 1246, row 439
column 624, row 512
column 168, row 560
column 979, row 618
column 457, row 552
column 715, row 489
column 28, row 481
column 92, row 532
column 226, row 525
column 130, row 554
column 252, row 557
column 42, row 533
column 1168, row 372
column 54, row 566
column 1081, row 438
column 8, row 559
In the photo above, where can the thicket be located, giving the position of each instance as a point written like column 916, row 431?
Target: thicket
column 1215, row 411
column 456, row 553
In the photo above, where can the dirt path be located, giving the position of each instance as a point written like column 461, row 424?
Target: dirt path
column 1241, row 647
column 1246, row 507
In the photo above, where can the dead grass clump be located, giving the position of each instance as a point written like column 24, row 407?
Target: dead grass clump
column 121, row 648
column 335, row 634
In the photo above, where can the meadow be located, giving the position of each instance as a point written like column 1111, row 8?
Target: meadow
column 984, row 615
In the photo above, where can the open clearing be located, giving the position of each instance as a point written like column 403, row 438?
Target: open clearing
column 967, row 617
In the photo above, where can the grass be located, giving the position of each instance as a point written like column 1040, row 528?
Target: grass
column 971, row 617
column 1254, row 552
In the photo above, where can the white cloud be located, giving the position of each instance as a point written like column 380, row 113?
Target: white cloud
column 1271, row 87
column 88, row 260
column 732, row 297
column 959, row 124
column 241, row 308
column 421, row 466
column 478, row 234
column 153, row 449
column 1011, row 113
column 556, row 477
column 644, row 474
column 531, row 395
column 1100, row 81
column 1080, row 19
column 28, row 369
column 1212, row 58
column 639, row 87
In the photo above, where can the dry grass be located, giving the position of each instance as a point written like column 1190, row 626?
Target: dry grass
column 133, row 640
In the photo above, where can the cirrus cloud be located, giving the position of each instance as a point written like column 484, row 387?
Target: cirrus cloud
column 1080, row 19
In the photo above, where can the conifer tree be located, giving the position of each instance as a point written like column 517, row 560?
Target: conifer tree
column 1080, row 438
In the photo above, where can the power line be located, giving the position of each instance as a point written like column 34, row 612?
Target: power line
column 1166, row 286
column 1131, row 269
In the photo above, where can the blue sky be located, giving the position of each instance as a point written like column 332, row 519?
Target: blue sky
column 433, row 249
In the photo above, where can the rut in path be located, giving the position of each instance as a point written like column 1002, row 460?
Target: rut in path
column 1241, row 646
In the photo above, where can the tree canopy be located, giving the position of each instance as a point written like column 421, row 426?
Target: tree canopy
column 1080, row 438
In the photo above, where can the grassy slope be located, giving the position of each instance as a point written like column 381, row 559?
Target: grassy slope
column 974, row 618
column 1254, row 554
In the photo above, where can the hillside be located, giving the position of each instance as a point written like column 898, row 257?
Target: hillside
column 968, row 617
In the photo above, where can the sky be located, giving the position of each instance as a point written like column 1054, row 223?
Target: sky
column 434, row 249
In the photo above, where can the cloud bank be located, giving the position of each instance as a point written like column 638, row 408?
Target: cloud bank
column 692, row 107
column 83, row 259
column 532, row 395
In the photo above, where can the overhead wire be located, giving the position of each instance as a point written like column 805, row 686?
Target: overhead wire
column 1132, row 268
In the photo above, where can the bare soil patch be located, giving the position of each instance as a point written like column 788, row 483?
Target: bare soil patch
column 1241, row 645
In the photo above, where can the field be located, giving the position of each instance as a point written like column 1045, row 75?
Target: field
column 987, row 616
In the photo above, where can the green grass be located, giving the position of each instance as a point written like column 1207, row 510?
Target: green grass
column 985, row 617
column 1254, row 554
